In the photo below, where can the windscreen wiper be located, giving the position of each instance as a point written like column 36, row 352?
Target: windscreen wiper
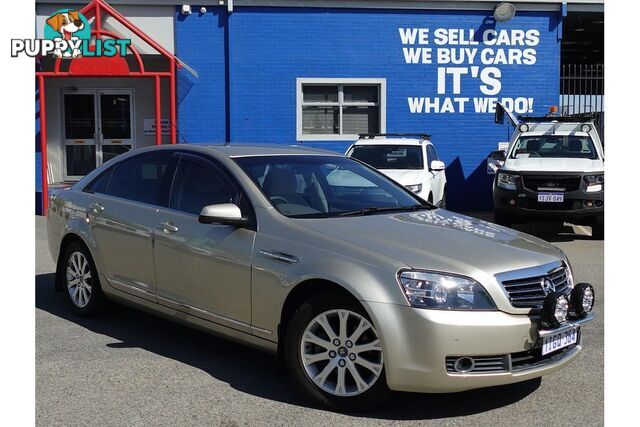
column 369, row 211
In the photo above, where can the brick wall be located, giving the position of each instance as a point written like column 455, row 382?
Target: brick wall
column 271, row 47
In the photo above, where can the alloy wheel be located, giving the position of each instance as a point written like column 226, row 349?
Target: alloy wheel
column 79, row 279
column 341, row 352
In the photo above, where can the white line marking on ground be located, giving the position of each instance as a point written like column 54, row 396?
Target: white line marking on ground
column 583, row 229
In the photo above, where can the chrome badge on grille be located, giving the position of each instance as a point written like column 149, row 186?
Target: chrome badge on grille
column 547, row 286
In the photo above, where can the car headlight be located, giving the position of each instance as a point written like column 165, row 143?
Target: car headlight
column 416, row 188
column 595, row 183
column 425, row 289
column 507, row 181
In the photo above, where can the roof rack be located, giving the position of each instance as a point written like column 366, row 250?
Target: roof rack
column 584, row 117
column 422, row 136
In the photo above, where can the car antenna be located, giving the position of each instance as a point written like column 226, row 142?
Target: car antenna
column 179, row 133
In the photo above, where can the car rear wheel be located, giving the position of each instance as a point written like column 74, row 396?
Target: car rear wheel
column 334, row 354
column 81, row 282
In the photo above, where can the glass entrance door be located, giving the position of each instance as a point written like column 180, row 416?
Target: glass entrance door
column 80, row 156
column 98, row 126
column 116, row 124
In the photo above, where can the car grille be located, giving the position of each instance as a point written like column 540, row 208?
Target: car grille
column 551, row 183
column 483, row 364
column 529, row 292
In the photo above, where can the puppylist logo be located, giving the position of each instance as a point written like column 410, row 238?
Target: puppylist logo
column 67, row 35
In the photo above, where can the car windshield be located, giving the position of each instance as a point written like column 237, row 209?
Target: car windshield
column 312, row 186
column 570, row 146
column 389, row 156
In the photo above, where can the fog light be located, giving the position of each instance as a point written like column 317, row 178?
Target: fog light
column 588, row 204
column 555, row 309
column 523, row 127
column 512, row 202
column 598, row 203
column 585, row 127
column 464, row 364
column 582, row 299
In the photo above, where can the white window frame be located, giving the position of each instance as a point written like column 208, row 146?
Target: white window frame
column 340, row 82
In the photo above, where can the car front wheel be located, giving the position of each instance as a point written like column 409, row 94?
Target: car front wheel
column 334, row 354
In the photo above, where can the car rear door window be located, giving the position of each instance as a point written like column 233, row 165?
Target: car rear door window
column 144, row 178
column 100, row 184
column 198, row 184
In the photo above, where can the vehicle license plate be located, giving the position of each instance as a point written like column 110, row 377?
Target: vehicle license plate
column 560, row 340
column 551, row 197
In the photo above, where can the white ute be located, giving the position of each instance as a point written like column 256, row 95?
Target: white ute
column 409, row 159
column 553, row 169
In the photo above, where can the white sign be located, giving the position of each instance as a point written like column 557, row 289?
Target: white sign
column 150, row 126
column 460, row 55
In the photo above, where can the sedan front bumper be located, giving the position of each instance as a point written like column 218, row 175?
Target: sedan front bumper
column 417, row 344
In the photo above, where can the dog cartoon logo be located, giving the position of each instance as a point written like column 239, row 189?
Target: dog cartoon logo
column 70, row 26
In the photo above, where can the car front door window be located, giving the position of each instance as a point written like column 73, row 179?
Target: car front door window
column 199, row 184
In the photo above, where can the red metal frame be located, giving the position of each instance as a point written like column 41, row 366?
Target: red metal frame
column 97, row 9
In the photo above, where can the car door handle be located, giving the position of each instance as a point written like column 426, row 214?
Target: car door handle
column 168, row 227
column 96, row 207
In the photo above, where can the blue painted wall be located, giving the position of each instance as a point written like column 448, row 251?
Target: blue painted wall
column 201, row 101
column 270, row 47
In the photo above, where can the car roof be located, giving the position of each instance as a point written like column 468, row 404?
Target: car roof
column 248, row 150
column 557, row 133
column 394, row 141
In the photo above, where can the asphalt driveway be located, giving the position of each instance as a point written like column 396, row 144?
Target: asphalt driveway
column 129, row 368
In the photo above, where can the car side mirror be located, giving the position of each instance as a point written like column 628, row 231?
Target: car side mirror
column 226, row 213
column 498, row 155
column 437, row 165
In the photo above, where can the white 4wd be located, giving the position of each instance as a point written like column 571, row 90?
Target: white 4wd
column 409, row 159
column 553, row 169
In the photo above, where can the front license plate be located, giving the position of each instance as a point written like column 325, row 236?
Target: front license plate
column 551, row 197
column 560, row 340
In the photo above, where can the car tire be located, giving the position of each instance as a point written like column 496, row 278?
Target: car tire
column 335, row 387
column 597, row 229
column 81, row 284
column 503, row 219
